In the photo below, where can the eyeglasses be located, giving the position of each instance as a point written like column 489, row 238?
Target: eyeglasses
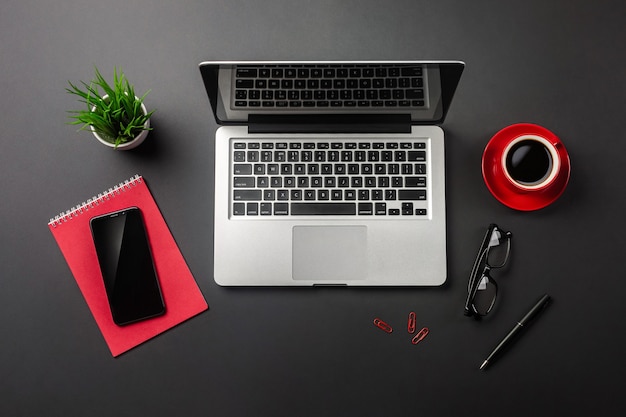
column 482, row 289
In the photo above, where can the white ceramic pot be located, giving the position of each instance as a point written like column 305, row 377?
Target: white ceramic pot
column 131, row 144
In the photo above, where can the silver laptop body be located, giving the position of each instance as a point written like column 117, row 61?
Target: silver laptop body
column 330, row 173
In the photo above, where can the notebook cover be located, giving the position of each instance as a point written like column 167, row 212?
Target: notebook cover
column 181, row 294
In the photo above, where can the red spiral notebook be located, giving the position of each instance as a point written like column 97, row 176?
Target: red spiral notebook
column 181, row 294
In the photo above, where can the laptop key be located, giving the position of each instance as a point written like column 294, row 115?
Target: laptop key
column 411, row 71
column 281, row 209
column 416, row 181
column 246, row 72
column 266, row 209
column 244, row 83
column 411, row 195
column 327, row 209
column 244, row 182
column 239, row 209
column 252, row 209
column 365, row 208
column 417, row 156
column 415, row 94
column 247, row 195
column 242, row 169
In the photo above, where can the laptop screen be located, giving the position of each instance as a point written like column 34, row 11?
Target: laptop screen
column 269, row 92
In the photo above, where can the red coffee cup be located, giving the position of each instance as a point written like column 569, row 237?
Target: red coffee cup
column 526, row 166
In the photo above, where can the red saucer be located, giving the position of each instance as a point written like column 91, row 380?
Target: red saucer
column 502, row 189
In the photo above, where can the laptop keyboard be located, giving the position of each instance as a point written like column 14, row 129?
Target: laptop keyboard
column 310, row 87
column 365, row 177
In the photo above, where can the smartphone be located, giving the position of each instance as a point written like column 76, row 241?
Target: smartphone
column 127, row 266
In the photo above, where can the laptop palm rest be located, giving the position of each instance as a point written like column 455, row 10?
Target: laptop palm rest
column 329, row 253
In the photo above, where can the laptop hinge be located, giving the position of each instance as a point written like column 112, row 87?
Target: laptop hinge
column 335, row 123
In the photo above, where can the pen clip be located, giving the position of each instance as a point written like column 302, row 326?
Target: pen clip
column 420, row 336
column 382, row 325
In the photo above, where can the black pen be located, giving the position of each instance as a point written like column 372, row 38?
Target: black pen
column 519, row 326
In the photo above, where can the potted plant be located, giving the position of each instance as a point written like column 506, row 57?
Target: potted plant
column 114, row 114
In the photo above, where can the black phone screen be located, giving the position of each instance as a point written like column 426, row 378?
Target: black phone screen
column 127, row 266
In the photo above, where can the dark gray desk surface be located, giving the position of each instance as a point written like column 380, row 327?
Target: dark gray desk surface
column 315, row 352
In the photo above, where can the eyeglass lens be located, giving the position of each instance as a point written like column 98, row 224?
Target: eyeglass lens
column 485, row 295
column 498, row 250
column 484, row 289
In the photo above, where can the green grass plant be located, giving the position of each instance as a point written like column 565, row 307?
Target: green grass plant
column 114, row 112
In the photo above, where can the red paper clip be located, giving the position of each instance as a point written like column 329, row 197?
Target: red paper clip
column 382, row 325
column 411, row 324
column 420, row 336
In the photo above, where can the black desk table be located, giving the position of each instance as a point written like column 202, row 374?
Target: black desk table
column 315, row 352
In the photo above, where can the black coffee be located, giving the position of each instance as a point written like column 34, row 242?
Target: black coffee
column 529, row 162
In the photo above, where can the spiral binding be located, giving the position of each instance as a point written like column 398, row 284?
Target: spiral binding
column 94, row 201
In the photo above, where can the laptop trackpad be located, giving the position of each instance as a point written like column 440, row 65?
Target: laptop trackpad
column 329, row 253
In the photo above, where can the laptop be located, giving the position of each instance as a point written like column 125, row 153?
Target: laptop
column 330, row 173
